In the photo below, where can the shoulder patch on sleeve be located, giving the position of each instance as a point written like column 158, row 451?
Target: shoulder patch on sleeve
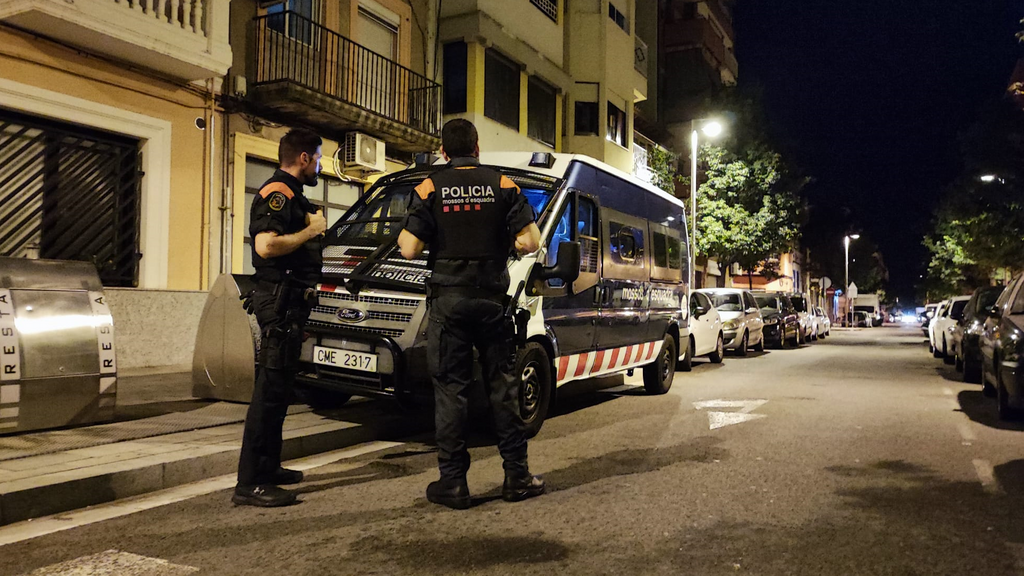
column 425, row 189
column 277, row 201
column 277, row 187
column 507, row 182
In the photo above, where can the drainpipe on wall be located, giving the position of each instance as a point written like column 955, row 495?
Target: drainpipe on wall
column 431, row 39
column 225, row 205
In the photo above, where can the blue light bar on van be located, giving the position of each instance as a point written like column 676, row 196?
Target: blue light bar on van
column 542, row 160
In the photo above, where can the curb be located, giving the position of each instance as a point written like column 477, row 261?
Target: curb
column 63, row 491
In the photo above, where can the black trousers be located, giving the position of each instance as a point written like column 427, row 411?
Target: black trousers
column 457, row 325
column 281, row 323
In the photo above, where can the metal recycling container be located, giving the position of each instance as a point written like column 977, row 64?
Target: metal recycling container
column 224, row 362
column 57, row 359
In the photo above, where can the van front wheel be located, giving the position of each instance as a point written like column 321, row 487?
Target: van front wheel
column 536, row 387
column 658, row 375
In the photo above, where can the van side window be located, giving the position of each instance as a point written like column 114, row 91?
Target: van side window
column 675, row 253
column 585, row 232
column 587, row 226
column 626, row 244
column 659, row 244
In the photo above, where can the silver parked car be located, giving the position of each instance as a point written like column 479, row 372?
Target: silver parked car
column 822, row 323
column 742, row 324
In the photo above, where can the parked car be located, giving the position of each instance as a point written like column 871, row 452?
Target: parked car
column 741, row 318
column 942, row 328
column 781, row 323
column 862, row 319
column 705, row 329
column 801, row 303
column 926, row 317
column 1002, row 346
column 822, row 323
column 966, row 347
column 939, row 311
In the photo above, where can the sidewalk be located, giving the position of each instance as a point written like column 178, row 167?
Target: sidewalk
column 162, row 437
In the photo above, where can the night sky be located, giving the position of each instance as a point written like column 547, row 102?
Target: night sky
column 868, row 98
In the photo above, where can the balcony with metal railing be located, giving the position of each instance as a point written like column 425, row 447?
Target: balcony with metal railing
column 184, row 39
column 302, row 70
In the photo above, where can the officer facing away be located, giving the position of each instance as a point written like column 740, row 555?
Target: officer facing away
column 285, row 228
column 471, row 217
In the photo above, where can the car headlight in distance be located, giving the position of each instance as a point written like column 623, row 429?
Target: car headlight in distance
column 771, row 321
column 731, row 324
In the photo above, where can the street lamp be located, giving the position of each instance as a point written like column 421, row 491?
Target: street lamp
column 849, row 302
column 711, row 128
column 988, row 178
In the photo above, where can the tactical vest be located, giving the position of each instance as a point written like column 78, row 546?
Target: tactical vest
column 471, row 214
column 305, row 263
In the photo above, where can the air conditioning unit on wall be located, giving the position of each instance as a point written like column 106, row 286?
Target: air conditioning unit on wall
column 363, row 152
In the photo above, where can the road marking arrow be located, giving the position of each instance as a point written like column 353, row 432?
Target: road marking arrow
column 746, row 406
column 722, row 419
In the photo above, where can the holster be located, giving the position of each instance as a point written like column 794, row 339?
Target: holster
column 282, row 335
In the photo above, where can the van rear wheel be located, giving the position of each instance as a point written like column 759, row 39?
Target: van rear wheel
column 537, row 386
column 658, row 374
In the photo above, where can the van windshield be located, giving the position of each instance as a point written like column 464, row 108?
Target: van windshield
column 377, row 217
column 727, row 301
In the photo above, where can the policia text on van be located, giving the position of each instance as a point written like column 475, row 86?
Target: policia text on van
column 606, row 292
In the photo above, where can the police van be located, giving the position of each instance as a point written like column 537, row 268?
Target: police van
column 606, row 292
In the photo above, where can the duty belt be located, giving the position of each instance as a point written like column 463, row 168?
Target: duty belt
column 466, row 292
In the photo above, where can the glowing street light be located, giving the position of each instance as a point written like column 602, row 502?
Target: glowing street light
column 711, row 128
column 849, row 302
column 988, row 178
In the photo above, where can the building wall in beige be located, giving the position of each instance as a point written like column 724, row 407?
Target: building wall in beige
column 517, row 19
column 46, row 79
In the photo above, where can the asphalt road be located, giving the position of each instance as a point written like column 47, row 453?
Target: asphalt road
column 867, row 457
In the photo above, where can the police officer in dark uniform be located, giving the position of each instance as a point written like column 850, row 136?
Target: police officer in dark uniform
column 286, row 230
column 472, row 217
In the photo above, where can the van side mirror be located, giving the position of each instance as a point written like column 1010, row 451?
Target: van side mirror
column 567, row 264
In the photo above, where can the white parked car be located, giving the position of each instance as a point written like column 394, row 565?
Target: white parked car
column 942, row 327
column 742, row 324
column 937, row 313
column 822, row 324
column 706, row 337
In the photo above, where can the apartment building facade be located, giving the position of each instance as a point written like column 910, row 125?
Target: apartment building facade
column 135, row 133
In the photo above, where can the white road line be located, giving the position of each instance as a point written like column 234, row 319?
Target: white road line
column 35, row 528
column 947, row 391
column 965, row 432
column 987, row 477
column 115, row 562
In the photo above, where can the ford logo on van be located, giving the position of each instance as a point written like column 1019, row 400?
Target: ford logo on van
column 351, row 315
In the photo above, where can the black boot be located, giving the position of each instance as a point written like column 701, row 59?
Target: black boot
column 521, row 486
column 450, row 493
column 266, row 496
column 285, row 476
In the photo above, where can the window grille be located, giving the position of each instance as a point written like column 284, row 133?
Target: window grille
column 548, row 7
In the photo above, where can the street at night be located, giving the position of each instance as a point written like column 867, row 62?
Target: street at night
column 859, row 454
